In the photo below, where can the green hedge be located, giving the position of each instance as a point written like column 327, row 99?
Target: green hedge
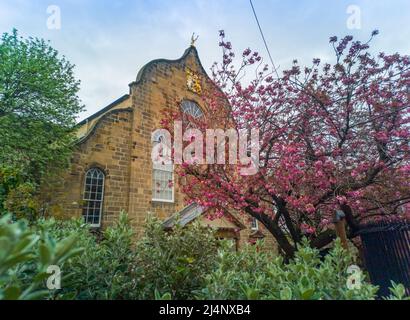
column 187, row 263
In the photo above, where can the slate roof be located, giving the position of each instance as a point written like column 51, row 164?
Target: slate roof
column 185, row 216
column 190, row 213
column 104, row 110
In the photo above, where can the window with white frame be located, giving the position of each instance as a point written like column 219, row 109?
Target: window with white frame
column 162, row 179
column 93, row 196
column 254, row 224
column 163, row 183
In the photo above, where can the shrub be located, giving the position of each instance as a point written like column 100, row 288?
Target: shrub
column 103, row 270
column 185, row 263
column 174, row 264
column 397, row 292
column 25, row 256
column 250, row 274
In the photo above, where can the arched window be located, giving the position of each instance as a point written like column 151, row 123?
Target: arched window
column 93, row 196
column 162, row 178
column 191, row 108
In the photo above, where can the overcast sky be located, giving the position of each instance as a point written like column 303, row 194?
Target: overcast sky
column 109, row 41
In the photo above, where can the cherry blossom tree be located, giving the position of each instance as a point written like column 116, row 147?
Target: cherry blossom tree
column 332, row 137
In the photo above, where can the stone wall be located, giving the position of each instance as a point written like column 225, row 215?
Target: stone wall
column 119, row 142
column 161, row 84
column 108, row 147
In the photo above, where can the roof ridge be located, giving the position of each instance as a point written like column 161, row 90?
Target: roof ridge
column 104, row 110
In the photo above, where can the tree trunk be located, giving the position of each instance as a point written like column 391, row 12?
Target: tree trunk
column 277, row 233
column 288, row 221
column 323, row 239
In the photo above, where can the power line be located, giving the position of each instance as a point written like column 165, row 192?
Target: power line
column 263, row 37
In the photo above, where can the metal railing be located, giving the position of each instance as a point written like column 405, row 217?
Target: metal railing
column 386, row 249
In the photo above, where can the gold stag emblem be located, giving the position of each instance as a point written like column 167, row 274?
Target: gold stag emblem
column 194, row 39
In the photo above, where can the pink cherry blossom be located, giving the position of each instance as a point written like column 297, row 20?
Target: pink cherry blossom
column 333, row 136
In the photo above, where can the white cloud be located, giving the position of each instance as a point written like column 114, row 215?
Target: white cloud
column 110, row 41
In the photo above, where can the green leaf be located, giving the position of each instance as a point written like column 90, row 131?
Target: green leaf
column 40, row 277
column 159, row 296
column 252, row 294
column 12, row 293
column 16, row 259
column 304, row 281
column 286, row 294
column 64, row 247
column 307, row 294
column 45, row 254
column 36, row 295
column 27, row 243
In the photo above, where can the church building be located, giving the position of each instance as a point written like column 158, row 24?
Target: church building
column 112, row 171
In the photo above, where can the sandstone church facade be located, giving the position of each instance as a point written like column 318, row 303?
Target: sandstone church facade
column 111, row 169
